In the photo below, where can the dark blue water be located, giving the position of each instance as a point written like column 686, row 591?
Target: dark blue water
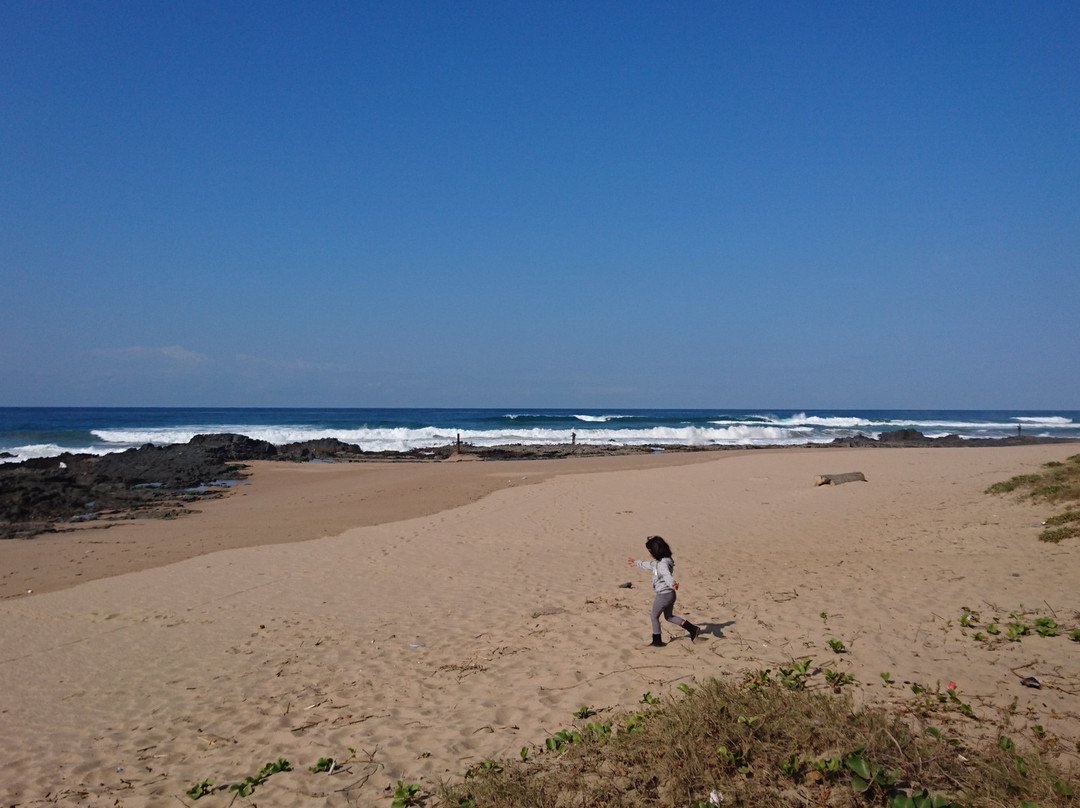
column 45, row 431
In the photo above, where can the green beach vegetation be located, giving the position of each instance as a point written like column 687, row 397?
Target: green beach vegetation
column 781, row 742
column 763, row 741
column 1057, row 484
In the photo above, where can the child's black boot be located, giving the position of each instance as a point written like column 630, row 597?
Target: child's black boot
column 694, row 630
column 657, row 642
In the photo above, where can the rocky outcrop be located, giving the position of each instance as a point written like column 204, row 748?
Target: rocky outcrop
column 147, row 481
column 913, row 437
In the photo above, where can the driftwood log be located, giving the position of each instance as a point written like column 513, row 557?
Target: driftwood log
column 837, row 479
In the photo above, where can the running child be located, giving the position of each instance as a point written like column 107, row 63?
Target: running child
column 665, row 586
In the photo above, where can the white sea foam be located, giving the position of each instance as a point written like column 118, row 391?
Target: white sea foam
column 743, row 434
column 36, row 450
column 802, row 419
column 857, row 423
column 865, row 423
column 401, row 439
column 159, row 437
column 760, row 429
column 954, row 425
column 801, row 422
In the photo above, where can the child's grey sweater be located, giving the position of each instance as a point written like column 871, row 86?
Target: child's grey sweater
column 662, row 580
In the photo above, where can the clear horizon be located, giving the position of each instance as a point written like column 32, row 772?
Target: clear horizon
column 605, row 205
column 525, row 409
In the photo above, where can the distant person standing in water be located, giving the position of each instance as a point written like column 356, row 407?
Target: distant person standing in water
column 665, row 586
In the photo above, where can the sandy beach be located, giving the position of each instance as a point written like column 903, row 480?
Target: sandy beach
column 431, row 615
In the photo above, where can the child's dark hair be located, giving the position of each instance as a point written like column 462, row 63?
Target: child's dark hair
column 657, row 547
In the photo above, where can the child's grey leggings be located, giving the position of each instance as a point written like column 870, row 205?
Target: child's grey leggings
column 663, row 604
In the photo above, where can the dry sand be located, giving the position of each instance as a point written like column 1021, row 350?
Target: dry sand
column 429, row 616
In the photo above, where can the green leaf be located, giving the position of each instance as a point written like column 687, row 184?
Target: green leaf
column 200, row 789
column 859, row 784
column 858, row 765
column 322, row 765
column 245, row 788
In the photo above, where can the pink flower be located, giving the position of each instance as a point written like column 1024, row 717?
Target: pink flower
column 952, row 685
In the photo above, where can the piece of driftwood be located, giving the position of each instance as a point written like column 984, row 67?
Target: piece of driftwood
column 837, row 479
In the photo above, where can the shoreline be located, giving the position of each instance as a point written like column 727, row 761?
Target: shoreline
column 162, row 481
column 349, row 493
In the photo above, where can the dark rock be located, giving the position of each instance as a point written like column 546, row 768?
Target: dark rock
column 324, row 449
column 44, row 490
column 913, row 437
column 150, row 480
column 902, row 436
column 854, row 440
column 234, row 447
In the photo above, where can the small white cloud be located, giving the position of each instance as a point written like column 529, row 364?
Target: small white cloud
column 133, row 353
column 182, row 354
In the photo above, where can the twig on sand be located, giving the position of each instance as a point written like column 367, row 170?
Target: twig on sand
column 1021, row 667
column 307, row 726
column 363, row 780
column 364, row 718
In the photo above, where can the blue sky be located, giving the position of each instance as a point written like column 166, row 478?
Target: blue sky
column 688, row 204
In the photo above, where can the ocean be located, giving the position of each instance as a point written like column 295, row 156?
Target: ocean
column 28, row 432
